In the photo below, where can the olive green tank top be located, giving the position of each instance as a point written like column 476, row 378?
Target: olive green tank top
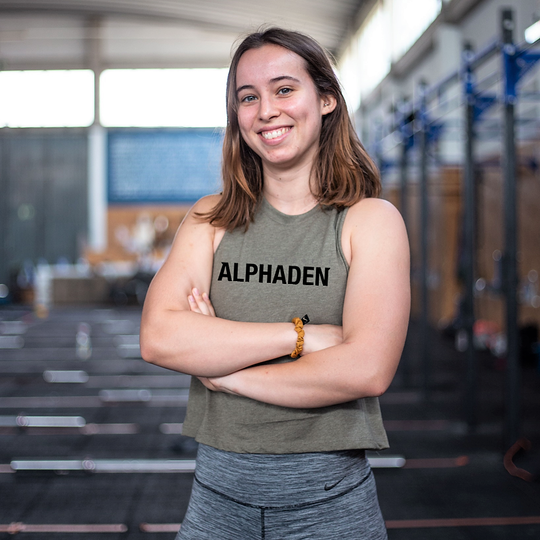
column 282, row 267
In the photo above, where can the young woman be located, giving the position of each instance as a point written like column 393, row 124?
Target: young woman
column 284, row 411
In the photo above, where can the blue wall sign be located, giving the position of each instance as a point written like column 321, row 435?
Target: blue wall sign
column 163, row 165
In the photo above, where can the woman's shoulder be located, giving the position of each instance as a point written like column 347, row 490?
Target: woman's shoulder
column 372, row 222
column 373, row 205
column 205, row 204
column 197, row 215
column 197, row 219
column 372, row 211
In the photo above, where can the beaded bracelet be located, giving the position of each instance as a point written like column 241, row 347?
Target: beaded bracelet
column 299, row 327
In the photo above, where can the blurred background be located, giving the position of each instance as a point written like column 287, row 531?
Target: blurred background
column 111, row 121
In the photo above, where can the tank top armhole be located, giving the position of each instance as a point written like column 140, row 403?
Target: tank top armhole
column 220, row 242
column 339, row 230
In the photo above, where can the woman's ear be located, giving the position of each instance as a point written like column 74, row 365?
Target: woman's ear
column 329, row 103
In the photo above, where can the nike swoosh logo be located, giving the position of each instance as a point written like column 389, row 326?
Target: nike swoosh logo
column 328, row 487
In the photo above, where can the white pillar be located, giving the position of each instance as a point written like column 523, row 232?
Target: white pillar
column 97, row 188
column 97, row 149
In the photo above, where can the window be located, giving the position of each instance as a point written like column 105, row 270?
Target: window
column 163, row 97
column 387, row 33
column 62, row 98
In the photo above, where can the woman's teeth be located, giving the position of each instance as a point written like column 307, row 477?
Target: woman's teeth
column 268, row 135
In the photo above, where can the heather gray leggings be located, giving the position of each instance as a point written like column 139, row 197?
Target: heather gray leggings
column 314, row 496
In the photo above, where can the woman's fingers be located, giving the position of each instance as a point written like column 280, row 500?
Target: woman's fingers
column 206, row 381
column 221, row 384
column 200, row 303
column 206, row 299
column 193, row 305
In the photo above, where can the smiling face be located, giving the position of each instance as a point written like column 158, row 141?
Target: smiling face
column 279, row 109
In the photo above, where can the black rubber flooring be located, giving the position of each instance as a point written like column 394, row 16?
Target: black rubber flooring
column 454, row 484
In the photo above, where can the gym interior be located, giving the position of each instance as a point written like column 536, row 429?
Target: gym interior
column 111, row 123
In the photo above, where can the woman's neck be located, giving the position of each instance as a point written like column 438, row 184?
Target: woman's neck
column 289, row 191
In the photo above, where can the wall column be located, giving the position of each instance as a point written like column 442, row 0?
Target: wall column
column 97, row 150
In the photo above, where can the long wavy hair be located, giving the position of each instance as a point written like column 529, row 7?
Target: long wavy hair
column 343, row 173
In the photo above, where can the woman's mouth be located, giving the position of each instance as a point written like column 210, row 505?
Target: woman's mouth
column 274, row 134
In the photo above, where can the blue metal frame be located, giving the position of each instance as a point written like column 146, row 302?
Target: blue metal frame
column 481, row 101
column 412, row 123
column 517, row 62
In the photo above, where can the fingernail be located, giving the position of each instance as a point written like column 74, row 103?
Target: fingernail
column 205, row 296
column 191, row 299
column 196, row 292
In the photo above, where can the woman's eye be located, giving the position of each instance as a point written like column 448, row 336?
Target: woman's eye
column 248, row 99
column 284, row 91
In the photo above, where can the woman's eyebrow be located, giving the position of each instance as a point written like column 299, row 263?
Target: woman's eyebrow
column 273, row 80
column 284, row 77
column 244, row 87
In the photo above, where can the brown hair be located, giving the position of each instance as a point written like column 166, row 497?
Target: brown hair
column 343, row 173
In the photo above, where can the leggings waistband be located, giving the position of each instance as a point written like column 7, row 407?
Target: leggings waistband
column 280, row 480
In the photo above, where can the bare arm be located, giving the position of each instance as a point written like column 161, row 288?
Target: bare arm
column 174, row 337
column 375, row 318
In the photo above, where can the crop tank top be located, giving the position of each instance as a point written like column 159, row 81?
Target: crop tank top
column 282, row 267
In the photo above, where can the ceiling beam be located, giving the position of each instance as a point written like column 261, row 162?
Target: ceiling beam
column 138, row 14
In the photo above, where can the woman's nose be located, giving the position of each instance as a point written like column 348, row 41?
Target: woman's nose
column 268, row 108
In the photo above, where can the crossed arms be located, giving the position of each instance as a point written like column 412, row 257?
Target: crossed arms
column 179, row 330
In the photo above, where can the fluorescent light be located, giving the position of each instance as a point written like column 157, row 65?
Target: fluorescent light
column 532, row 34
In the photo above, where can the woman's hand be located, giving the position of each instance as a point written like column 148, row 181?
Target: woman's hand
column 200, row 303
column 321, row 336
column 207, row 381
column 220, row 384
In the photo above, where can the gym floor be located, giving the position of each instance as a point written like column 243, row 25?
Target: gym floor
column 91, row 444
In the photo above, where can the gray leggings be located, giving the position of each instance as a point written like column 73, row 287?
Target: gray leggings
column 313, row 496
